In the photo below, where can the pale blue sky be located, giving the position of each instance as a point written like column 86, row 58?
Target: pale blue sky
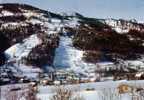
column 128, row 9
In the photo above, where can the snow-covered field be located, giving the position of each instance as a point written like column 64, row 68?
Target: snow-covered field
column 97, row 91
column 13, row 91
column 20, row 50
column 88, row 91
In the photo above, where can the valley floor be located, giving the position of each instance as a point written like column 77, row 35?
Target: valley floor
column 89, row 91
column 96, row 91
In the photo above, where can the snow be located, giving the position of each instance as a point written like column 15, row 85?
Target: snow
column 53, row 20
column 105, row 64
column 73, row 23
column 95, row 85
column 20, row 50
column 1, row 7
column 39, row 16
column 116, row 26
column 139, row 74
column 35, row 21
column 141, row 21
column 30, row 71
column 56, row 25
column 97, row 90
column 68, row 57
column 44, row 96
column 53, row 27
column 67, row 52
column 111, row 22
column 104, row 95
column 30, row 13
column 20, row 70
column 120, row 30
column 6, row 91
column 52, row 32
column 13, row 24
column 136, row 64
column 6, row 13
column 90, row 95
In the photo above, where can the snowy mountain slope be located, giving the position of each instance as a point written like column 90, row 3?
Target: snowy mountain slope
column 34, row 38
column 21, row 36
column 20, row 50
column 71, row 58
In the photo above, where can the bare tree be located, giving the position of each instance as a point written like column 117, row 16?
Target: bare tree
column 65, row 94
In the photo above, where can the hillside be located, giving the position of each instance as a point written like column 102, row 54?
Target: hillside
column 35, row 41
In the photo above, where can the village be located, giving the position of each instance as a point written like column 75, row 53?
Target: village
column 104, row 72
column 61, row 77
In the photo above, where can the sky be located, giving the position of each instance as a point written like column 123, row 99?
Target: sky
column 126, row 9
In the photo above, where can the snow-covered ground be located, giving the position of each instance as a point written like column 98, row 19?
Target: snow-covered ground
column 30, row 71
column 88, row 91
column 98, row 90
column 116, row 25
column 6, row 13
column 68, row 57
column 135, row 64
column 91, row 95
column 14, row 92
column 121, row 26
column 20, row 50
